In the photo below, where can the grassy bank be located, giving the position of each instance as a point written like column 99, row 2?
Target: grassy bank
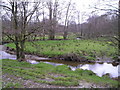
column 43, row 73
column 86, row 48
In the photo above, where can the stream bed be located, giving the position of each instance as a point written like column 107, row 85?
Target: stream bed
column 99, row 69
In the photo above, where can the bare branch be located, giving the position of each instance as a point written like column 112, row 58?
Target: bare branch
column 8, row 35
column 6, row 7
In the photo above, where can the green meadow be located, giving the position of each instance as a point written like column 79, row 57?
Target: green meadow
column 43, row 73
column 87, row 48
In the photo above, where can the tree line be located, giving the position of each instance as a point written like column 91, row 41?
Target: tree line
column 24, row 19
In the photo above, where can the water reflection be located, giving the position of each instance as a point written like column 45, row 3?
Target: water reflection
column 97, row 68
column 54, row 64
column 32, row 61
column 4, row 55
column 100, row 69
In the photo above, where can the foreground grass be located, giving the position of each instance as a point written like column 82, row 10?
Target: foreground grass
column 87, row 48
column 59, row 75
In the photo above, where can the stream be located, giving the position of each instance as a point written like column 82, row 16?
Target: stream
column 99, row 69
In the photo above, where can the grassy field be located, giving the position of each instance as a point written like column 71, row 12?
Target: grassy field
column 43, row 73
column 86, row 48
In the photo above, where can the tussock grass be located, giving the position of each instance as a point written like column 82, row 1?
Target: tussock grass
column 86, row 48
column 37, row 72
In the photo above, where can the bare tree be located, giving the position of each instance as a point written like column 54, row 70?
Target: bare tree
column 111, row 9
column 52, row 18
column 43, row 30
column 80, row 16
column 20, row 16
column 66, row 21
column 78, row 26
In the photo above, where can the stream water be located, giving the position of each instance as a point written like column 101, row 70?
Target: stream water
column 99, row 69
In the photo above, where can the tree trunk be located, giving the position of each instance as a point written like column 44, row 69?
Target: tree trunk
column 22, row 54
column 65, row 35
column 43, row 35
column 81, row 34
column 20, row 50
column 17, row 50
column 51, row 30
column 51, row 35
column 66, row 22
column 15, row 24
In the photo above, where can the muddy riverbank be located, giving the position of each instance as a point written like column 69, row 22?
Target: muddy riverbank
column 103, row 66
column 67, row 57
column 99, row 68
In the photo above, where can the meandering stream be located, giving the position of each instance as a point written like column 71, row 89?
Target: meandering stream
column 99, row 68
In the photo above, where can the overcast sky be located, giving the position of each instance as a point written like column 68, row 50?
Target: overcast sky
column 85, row 7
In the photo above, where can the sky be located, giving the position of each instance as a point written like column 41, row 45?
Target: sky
column 85, row 7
